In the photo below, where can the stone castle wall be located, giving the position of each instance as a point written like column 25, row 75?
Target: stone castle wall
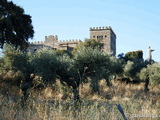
column 52, row 42
column 105, row 34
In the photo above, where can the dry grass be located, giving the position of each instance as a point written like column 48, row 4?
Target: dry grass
column 55, row 103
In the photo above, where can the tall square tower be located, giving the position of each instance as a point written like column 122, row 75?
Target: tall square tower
column 107, row 36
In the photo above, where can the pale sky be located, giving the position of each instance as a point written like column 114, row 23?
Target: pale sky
column 135, row 22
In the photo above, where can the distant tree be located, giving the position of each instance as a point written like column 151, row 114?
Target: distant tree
column 92, row 43
column 15, row 26
column 120, row 56
column 134, row 55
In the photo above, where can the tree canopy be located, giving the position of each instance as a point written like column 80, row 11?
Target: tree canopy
column 134, row 55
column 15, row 26
column 89, row 43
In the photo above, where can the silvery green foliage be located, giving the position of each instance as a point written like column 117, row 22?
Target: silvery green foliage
column 132, row 68
column 153, row 72
column 89, row 62
column 15, row 59
column 116, row 66
column 47, row 64
column 127, row 68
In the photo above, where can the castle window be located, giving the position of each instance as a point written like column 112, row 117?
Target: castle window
column 54, row 48
column 105, row 36
column 93, row 36
column 100, row 37
column 69, row 49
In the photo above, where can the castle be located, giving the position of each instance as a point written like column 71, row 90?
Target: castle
column 105, row 34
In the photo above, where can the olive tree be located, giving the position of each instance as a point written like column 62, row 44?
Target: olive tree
column 17, row 61
column 91, row 63
column 45, row 65
column 132, row 68
column 50, row 66
column 114, row 69
column 151, row 75
column 89, row 43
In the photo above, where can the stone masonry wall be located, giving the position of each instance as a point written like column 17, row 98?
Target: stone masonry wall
column 52, row 42
column 105, row 34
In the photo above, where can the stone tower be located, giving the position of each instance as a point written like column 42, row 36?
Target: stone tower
column 108, row 37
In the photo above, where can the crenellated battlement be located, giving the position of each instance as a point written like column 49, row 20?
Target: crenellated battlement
column 69, row 41
column 36, row 43
column 60, row 42
column 100, row 28
column 51, row 37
